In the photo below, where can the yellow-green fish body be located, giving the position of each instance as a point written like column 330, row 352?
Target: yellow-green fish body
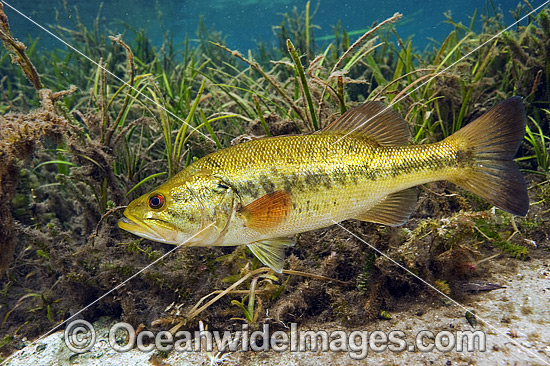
column 263, row 191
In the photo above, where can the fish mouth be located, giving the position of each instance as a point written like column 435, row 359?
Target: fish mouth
column 140, row 228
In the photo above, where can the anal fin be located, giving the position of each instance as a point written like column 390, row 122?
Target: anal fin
column 271, row 252
column 394, row 210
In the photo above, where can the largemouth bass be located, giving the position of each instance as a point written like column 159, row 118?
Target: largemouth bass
column 262, row 192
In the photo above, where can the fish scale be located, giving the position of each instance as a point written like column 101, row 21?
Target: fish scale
column 315, row 172
column 361, row 166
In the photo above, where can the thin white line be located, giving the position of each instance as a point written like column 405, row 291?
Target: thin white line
column 442, row 71
column 351, row 233
column 441, row 293
column 115, row 288
column 160, row 106
column 107, row 71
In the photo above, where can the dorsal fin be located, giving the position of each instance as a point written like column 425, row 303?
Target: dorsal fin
column 375, row 121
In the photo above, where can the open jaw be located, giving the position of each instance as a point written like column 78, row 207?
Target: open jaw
column 163, row 232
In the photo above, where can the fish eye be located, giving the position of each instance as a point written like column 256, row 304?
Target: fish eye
column 156, row 201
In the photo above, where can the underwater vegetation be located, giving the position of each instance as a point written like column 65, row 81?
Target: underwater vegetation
column 78, row 143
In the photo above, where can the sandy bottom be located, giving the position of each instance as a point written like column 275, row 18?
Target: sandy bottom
column 515, row 321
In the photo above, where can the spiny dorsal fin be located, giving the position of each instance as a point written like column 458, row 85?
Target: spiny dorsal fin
column 271, row 252
column 374, row 120
column 267, row 211
column 394, row 210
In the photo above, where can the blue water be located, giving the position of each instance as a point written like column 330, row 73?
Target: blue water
column 244, row 22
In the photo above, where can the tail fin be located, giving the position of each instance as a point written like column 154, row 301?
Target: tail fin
column 486, row 149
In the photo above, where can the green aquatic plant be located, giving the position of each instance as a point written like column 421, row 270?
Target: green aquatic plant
column 115, row 139
column 18, row 51
column 363, row 280
column 539, row 143
column 312, row 116
column 298, row 27
column 250, row 312
column 494, row 233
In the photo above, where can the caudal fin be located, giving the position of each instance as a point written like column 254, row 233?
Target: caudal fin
column 486, row 149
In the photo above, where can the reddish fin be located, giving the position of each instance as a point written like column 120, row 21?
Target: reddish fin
column 375, row 121
column 267, row 211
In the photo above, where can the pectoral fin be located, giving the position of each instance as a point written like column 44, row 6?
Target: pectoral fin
column 271, row 252
column 394, row 210
column 267, row 211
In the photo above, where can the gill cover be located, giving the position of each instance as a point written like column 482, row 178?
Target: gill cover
column 218, row 200
column 196, row 208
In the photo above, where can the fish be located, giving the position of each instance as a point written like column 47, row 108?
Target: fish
column 362, row 166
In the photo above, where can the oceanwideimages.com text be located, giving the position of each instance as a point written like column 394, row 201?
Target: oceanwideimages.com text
column 80, row 337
